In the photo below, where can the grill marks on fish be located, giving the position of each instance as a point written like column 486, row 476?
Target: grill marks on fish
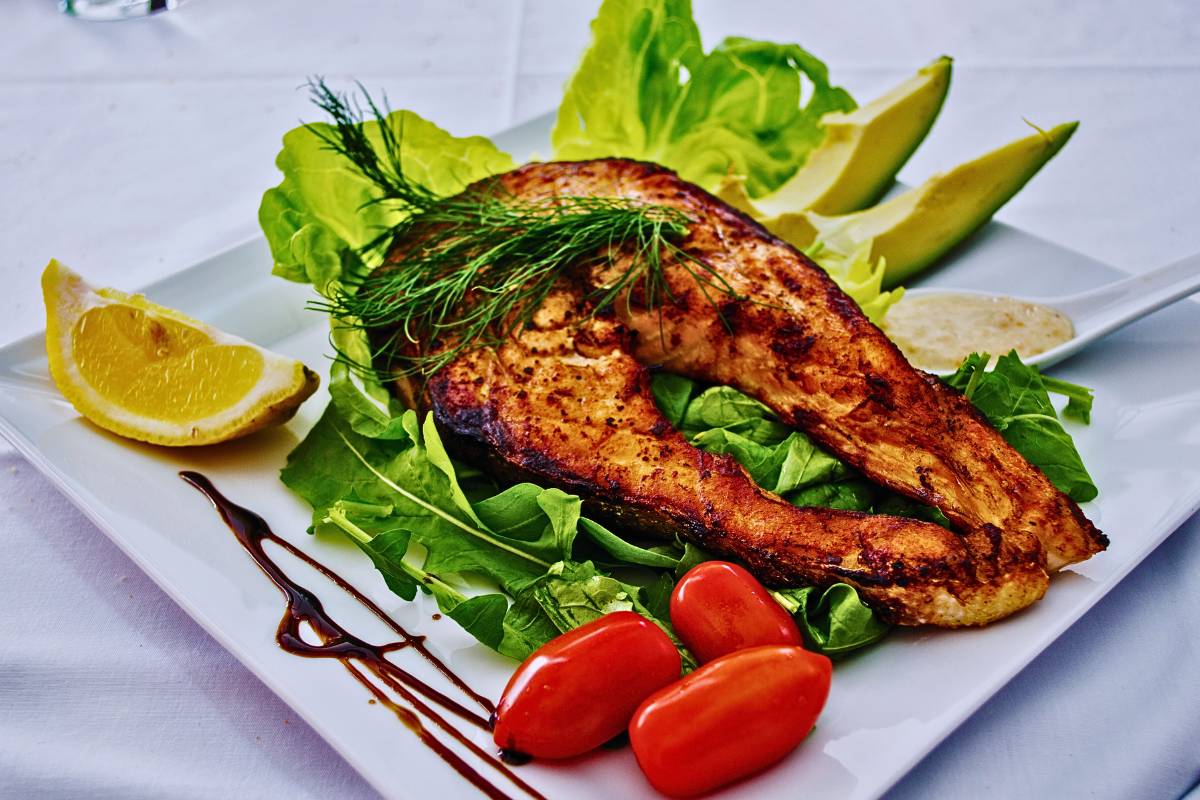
column 568, row 403
column 576, row 411
column 802, row 346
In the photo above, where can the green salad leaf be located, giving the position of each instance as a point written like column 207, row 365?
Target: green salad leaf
column 387, row 495
column 417, row 479
column 858, row 276
column 833, row 620
column 1079, row 398
column 720, row 419
column 646, row 89
column 748, row 110
column 1015, row 399
column 388, row 484
column 625, row 552
column 571, row 594
column 324, row 210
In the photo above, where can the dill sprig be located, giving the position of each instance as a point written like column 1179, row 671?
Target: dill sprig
column 471, row 270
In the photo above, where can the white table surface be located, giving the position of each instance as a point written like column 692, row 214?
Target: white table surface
column 130, row 150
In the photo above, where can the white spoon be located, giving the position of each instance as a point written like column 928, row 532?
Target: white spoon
column 1099, row 312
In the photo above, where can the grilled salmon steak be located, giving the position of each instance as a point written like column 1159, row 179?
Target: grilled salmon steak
column 568, row 402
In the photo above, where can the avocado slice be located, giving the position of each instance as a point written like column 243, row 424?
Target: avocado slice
column 914, row 229
column 861, row 153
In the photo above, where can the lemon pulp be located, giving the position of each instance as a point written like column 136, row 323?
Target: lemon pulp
column 148, row 372
column 159, row 367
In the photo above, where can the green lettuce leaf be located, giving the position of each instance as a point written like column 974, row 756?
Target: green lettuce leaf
column 1015, row 399
column 571, row 594
column 624, row 552
column 534, row 527
column 833, row 620
column 361, row 400
column 646, row 89
column 856, row 275
column 323, row 211
column 721, row 419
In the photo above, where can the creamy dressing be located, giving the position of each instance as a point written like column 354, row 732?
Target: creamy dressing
column 937, row 331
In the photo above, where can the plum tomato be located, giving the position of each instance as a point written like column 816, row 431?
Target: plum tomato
column 579, row 690
column 730, row 718
column 718, row 607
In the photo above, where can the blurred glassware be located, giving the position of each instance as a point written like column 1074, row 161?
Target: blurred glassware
column 107, row 10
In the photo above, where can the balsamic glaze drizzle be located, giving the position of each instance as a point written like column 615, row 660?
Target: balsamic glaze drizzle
column 303, row 606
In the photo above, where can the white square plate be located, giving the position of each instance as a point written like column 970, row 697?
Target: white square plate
column 889, row 705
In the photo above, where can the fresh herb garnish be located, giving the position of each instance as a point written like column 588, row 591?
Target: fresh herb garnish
column 471, row 269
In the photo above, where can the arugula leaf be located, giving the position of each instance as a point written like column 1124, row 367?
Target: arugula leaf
column 692, row 555
column 646, row 89
column 544, row 521
column 526, row 627
column 322, row 470
column 833, row 621
column 571, row 594
column 1015, row 399
column 624, row 551
column 371, row 528
column 481, row 616
column 1079, row 398
column 657, row 595
column 324, row 210
column 417, row 479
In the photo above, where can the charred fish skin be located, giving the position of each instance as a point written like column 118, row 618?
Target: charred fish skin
column 568, row 405
column 800, row 345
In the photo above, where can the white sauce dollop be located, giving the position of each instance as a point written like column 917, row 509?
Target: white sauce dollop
column 937, row 331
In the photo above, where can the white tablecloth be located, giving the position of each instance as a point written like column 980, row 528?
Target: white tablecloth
column 133, row 149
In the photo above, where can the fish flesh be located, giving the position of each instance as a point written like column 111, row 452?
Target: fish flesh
column 567, row 402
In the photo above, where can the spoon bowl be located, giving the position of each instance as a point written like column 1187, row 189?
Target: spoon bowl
column 1098, row 312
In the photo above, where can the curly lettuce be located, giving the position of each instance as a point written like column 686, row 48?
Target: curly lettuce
column 322, row 213
column 858, row 276
column 646, row 89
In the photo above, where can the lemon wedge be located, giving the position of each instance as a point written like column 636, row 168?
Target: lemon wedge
column 150, row 373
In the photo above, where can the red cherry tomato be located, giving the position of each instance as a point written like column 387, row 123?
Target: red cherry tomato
column 719, row 607
column 730, row 718
column 578, row 691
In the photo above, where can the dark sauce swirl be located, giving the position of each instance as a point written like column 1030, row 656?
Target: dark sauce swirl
column 360, row 657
